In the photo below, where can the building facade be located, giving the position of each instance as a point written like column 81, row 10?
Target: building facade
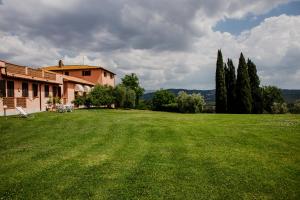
column 94, row 74
column 31, row 88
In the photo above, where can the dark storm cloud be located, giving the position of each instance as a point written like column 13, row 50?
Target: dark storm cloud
column 136, row 24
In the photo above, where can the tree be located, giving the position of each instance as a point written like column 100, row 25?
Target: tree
column 132, row 81
column 221, row 94
column 243, row 92
column 230, row 86
column 162, row 97
column 190, row 103
column 124, row 97
column 101, row 95
column 271, row 95
column 256, row 92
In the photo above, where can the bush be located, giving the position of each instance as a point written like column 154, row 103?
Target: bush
column 271, row 94
column 124, row 97
column 279, row 108
column 162, row 97
column 172, row 107
column 295, row 107
column 101, row 95
column 190, row 103
column 144, row 105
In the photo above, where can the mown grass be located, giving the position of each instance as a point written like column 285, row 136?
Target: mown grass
column 115, row 154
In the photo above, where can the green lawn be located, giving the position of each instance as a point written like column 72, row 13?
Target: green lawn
column 115, row 154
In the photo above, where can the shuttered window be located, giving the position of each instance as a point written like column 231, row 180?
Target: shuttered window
column 35, row 89
column 46, row 90
column 2, row 88
column 10, row 88
column 24, row 89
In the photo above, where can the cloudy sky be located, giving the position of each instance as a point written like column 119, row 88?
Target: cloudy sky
column 168, row 43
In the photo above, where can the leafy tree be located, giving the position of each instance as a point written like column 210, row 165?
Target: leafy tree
column 132, row 81
column 271, row 95
column 279, row 108
column 256, row 92
column 101, row 95
column 221, row 94
column 162, row 97
column 295, row 107
column 190, row 103
column 231, row 86
column 243, row 88
column 124, row 97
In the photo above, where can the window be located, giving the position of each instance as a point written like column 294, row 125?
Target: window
column 54, row 90
column 67, row 73
column 105, row 74
column 86, row 73
column 24, row 89
column 2, row 88
column 35, row 89
column 111, row 76
column 10, row 89
column 46, row 90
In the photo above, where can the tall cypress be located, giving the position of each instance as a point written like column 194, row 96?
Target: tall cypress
column 243, row 89
column 256, row 92
column 231, row 87
column 221, row 96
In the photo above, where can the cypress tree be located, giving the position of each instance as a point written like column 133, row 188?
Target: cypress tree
column 256, row 92
column 221, row 96
column 231, row 86
column 243, row 89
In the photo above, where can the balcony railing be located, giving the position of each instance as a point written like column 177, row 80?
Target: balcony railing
column 9, row 102
column 21, row 101
column 16, row 69
column 49, row 75
column 35, row 73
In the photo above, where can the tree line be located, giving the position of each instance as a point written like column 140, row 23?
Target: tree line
column 241, row 92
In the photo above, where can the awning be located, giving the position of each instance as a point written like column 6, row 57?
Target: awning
column 87, row 89
column 79, row 88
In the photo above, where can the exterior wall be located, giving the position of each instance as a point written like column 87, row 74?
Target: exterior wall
column 97, row 76
column 107, row 80
column 32, row 103
column 69, row 92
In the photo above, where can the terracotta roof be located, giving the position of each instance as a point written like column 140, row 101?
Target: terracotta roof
column 77, row 80
column 74, row 67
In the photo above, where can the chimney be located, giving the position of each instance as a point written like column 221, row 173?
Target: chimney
column 60, row 63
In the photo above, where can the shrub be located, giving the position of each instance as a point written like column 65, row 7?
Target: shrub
column 125, row 97
column 295, row 107
column 279, row 108
column 172, row 107
column 190, row 103
column 162, row 97
column 101, row 95
column 271, row 94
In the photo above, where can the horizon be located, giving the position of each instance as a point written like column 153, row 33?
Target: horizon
column 168, row 45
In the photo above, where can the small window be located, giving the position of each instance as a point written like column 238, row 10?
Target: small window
column 111, row 76
column 2, row 88
column 105, row 74
column 24, row 89
column 55, row 91
column 46, row 90
column 67, row 73
column 86, row 73
column 35, row 89
column 10, row 88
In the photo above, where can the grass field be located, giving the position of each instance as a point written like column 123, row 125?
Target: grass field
column 115, row 154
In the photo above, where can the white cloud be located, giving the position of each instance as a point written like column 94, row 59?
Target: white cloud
column 166, row 44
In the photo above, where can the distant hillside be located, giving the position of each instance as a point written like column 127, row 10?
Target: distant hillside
column 209, row 95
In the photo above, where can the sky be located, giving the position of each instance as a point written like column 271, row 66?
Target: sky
column 167, row 43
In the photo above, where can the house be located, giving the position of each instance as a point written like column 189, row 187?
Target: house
column 94, row 74
column 32, row 88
